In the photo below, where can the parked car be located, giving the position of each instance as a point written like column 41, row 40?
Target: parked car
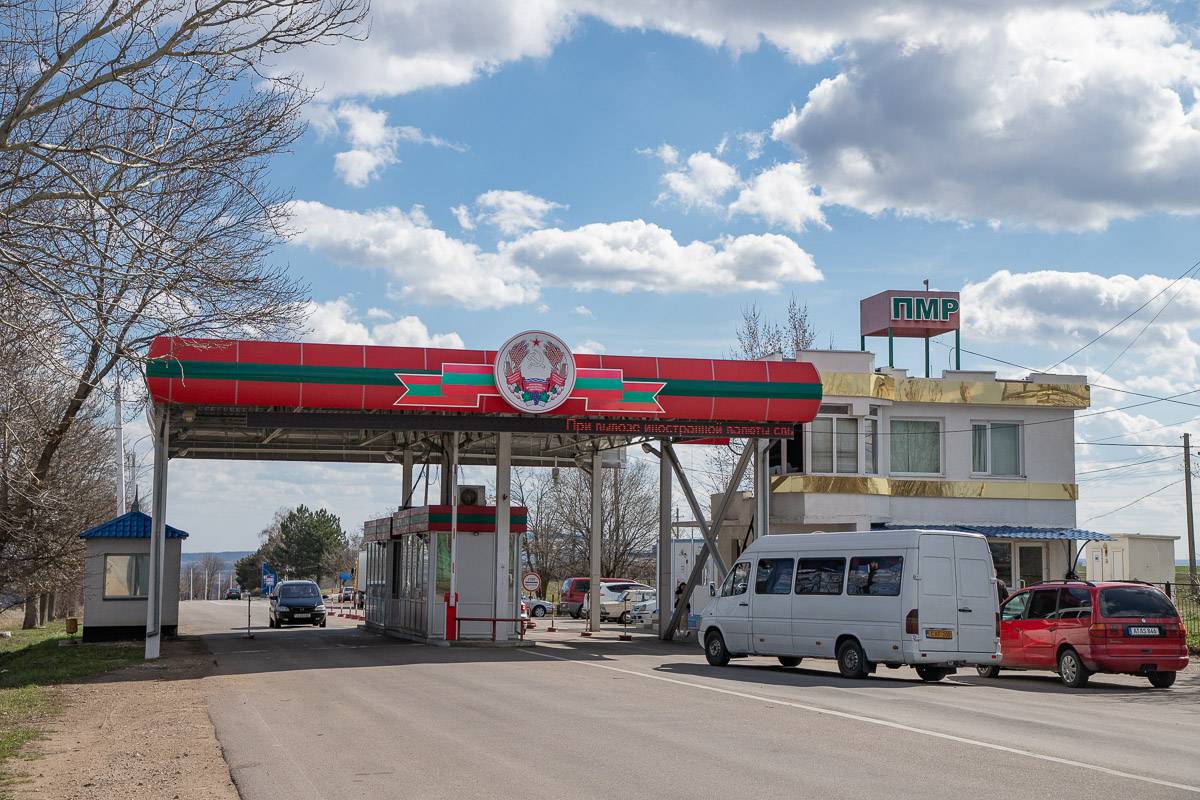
column 347, row 594
column 618, row 605
column 855, row 597
column 1079, row 628
column 296, row 603
column 233, row 593
column 537, row 606
column 644, row 613
column 573, row 592
column 610, row 595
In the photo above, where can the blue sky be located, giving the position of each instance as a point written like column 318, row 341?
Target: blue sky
column 1042, row 157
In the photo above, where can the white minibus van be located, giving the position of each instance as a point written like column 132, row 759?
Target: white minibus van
column 924, row 598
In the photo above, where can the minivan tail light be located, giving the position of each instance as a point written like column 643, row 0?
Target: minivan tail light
column 911, row 623
column 1098, row 630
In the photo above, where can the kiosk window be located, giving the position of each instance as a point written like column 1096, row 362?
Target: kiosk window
column 774, row 576
column 126, row 576
column 875, row 575
column 820, row 575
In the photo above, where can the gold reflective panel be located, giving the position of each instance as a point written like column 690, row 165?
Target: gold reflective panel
column 911, row 487
column 936, row 390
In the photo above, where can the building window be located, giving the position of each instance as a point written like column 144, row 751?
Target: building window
column 834, row 444
column 126, row 576
column 871, row 446
column 996, row 448
column 795, row 451
column 916, row 446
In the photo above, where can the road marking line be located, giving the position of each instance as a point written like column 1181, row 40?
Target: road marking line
column 876, row 721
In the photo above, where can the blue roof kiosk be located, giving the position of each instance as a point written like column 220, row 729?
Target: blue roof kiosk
column 116, row 578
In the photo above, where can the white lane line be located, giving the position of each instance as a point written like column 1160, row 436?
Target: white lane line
column 875, row 721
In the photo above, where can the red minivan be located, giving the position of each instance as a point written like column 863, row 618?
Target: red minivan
column 1078, row 628
column 573, row 592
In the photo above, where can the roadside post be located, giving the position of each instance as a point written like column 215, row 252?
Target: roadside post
column 531, row 582
column 248, row 635
column 625, row 637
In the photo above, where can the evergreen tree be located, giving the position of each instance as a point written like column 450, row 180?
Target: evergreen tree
column 310, row 544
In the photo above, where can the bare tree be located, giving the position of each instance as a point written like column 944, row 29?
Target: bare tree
column 135, row 139
column 210, row 567
column 546, row 549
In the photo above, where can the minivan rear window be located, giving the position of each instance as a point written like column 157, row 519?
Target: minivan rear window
column 878, row 576
column 1132, row 601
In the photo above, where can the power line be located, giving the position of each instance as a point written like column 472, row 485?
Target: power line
column 1145, row 327
column 1135, row 502
column 1121, row 466
column 1131, row 444
column 1124, row 319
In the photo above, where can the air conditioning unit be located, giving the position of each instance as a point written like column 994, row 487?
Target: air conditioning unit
column 472, row 495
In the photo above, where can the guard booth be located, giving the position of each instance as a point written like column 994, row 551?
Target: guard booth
column 411, row 557
column 529, row 403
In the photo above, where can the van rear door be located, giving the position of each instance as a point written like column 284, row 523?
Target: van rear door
column 937, row 596
column 978, row 603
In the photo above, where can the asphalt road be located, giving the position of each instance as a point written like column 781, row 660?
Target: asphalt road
column 337, row 713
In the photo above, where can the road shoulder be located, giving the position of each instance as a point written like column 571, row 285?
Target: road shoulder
column 142, row 732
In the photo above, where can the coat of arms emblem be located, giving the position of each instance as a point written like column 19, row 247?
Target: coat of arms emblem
column 535, row 371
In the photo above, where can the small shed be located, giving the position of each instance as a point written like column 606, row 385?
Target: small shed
column 1132, row 557
column 116, row 578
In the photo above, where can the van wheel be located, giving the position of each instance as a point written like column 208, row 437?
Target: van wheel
column 852, row 662
column 790, row 661
column 1161, row 680
column 932, row 674
column 714, row 649
column 988, row 672
column 1071, row 669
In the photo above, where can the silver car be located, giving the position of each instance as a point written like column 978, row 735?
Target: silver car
column 537, row 606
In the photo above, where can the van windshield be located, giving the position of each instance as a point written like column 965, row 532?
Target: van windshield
column 1132, row 601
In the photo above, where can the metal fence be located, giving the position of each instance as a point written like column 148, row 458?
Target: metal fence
column 1187, row 600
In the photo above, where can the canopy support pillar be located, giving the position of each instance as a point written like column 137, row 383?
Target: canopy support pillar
column 597, row 522
column 158, row 533
column 665, row 553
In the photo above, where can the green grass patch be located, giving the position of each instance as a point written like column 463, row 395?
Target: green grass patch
column 31, row 663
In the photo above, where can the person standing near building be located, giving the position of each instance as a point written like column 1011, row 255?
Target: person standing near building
column 679, row 590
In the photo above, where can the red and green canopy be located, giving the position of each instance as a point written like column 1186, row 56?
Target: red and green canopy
column 364, row 377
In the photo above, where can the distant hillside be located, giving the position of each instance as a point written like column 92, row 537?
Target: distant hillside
column 228, row 556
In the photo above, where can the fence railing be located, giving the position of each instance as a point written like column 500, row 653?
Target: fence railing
column 1187, row 600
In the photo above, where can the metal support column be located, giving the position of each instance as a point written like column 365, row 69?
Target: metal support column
column 710, row 543
column 762, row 488
column 891, row 348
column 597, row 521
column 926, row 356
column 665, row 554
column 862, row 343
column 957, row 350
column 501, row 601
column 453, row 468
column 158, row 534
column 407, row 472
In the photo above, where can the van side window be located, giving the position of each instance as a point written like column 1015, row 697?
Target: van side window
column 820, row 575
column 875, row 575
column 1074, row 603
column 774, row 576
column 738, row 580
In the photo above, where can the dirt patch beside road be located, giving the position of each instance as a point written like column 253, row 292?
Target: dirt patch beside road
column 140, row 732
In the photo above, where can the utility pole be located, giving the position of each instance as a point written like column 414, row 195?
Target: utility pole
column 120, row 443
column 1187, row 504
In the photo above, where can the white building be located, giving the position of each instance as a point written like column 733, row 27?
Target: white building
column 964, row 450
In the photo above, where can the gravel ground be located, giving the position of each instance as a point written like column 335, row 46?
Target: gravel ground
column 141, row 732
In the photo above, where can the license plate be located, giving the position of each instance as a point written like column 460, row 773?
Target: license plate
column 300, row 616
column 1143, row 630
column 939, row 633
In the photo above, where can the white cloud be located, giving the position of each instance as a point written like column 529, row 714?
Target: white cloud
column 463, row 215
column 428, row 265
column 1063, row 310
column 634, row 255
column 378, row 313
column 583, row 311
column 513, row 212
column 334, row 322
column 543, row 308
column 664, row 153
column 590, row 346
column 701, row 184
column 1055, row 118
column 372, row 141
column 782, row 195
column 753, row 141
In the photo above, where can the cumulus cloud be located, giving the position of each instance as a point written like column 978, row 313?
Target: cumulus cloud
column 372, row 141
column 513, row 212
column 782, row 195
column 664, row 153
column 700, row 184
column 1064, row 310
column 635, row 255
column 336, row 322
column 426, row 264
column 583, row 311
column 590, row 347
column 1054, row 118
